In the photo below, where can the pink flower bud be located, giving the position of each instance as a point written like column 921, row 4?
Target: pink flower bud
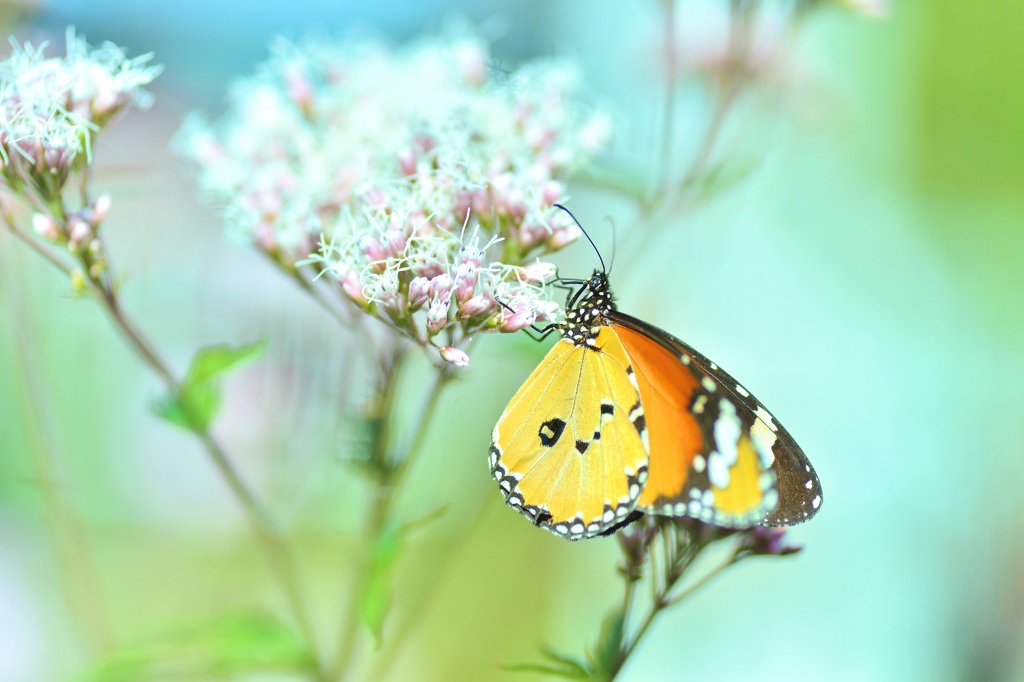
column 46, row 227
column 513, row 322
column 532, row 234
column 472, row 63
column 301, row 91
column 78, row 230
column 100, row 208
column 515, row 204
column 441, row 287
column 352, row 287
column 478, row 306
column 537, row 273
column 552, row 192
column 563, row 236
column 407, row 159
column 375, row 196
column 466, row 275
column 419, row 290
column 454, row 355
column 396, row 243
column 437, row 315
column 373, row 250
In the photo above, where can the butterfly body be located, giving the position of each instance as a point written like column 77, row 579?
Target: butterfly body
column 623, row 418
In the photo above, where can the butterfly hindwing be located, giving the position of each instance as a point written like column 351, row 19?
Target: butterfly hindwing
column 716, row 453
column 570, row 451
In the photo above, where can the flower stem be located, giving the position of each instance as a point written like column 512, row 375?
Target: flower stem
column 385, row 494
column 678, row 560
column 274, row 545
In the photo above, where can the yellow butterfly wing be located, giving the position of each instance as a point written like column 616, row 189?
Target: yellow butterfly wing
column 570, row 451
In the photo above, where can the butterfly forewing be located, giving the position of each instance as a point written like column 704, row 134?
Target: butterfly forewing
column 716, row 453
column 570, row 451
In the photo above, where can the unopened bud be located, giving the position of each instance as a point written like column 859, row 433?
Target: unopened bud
column 454, row 355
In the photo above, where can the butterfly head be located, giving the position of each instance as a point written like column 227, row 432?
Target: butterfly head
column 589, row 310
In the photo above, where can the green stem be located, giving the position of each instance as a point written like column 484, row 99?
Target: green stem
column 385, row 495
column 275, row 547
column 272, row 541
column 662, row 601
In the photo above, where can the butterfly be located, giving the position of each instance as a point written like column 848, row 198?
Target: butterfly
column 622, row 419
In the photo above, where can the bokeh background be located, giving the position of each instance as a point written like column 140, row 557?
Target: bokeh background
column 863, row 276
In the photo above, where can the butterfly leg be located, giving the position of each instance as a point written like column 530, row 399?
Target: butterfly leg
column 543, row 331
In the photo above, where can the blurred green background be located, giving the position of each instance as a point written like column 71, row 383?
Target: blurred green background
column 864, row 279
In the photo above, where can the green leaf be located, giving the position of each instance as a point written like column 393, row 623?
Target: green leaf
column 210, row 361
column 198, row 398
column 566, row 672
column 565, row 666
column 605, row 656
column 220, row 649
column 375, row 601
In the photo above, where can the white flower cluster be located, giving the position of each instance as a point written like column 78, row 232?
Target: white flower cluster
column 432, row 180
column 51, row 108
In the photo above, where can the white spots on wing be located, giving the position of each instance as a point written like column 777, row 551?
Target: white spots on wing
column 699, row 404
column 727, row 435
column 816, row 502
column 742, row 391
column 809, row 484
column 708, row 384
column 685, row 359
column 699, row 464
column 694, row 508
column 718, row 472
column 764, row 442
column 767, row 418
column 708, row 498
column 771, row 499
column 713, row 366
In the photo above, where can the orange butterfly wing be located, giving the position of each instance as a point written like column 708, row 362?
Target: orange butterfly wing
column 716, row 454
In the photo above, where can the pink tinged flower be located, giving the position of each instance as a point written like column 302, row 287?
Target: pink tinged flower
column 562, row 236
column 46, row 227
column 515, row 204
column 466, row 276
column 396, row 243
column 519, row 319
column 454, row 355
column 552, row 192
column 352, row 287
column 374, row 197
column 472, row 62
column 537, row 273
column 478, row 306
column 407, row 160
column 764, row 540
column 300, row 90
column 546, row 311
column 79, row 231
column 374, row 251
column 441, row 287
column 419, row 291
column 437, row 315
column 100, row 209
column 532, row 234
column 264, row 236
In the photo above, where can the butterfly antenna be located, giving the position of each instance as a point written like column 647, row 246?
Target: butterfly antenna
column 611, row 221
column 603, row 268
